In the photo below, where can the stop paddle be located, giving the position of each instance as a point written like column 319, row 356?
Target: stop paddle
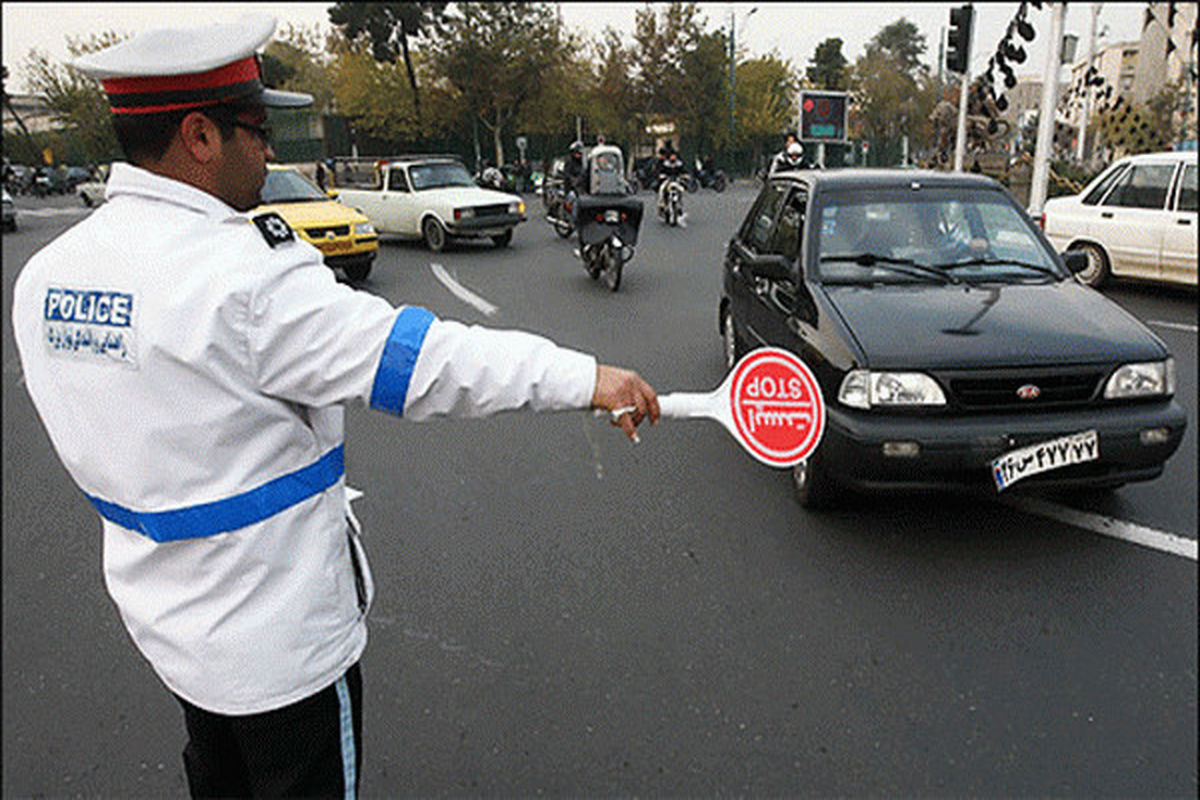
column 770, row 401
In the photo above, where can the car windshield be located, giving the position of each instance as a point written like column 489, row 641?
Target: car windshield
column 437, row 176
column 288, row 186
column 904, row 235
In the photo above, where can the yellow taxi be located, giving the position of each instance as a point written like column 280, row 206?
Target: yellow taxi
column 346, row 237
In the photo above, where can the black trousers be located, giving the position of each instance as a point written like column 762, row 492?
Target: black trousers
column 312, row 748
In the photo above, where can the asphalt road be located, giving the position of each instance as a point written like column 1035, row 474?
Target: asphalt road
column 560, row 612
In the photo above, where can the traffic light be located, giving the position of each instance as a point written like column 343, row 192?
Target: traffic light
column 958, row 47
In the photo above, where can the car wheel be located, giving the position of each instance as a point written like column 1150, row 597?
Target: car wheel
column 812, row 485
column 734, row 349
column 434, row 234
column 357, row 272
column 719, row 183
column 1097, row 271
column 503, row 239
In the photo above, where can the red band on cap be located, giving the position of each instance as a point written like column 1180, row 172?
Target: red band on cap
column 238, row 72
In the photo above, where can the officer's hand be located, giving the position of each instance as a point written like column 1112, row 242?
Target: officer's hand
column 621, row 390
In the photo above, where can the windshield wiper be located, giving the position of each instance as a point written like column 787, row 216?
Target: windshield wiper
column 905, row 266
column 1000, row 262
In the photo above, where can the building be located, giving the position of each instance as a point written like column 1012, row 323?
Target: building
column 32, row 111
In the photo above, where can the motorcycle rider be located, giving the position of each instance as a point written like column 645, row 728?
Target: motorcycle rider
column 670, row 167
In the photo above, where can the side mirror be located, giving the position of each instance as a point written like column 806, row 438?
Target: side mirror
column 772, row 267
column 1076, row 261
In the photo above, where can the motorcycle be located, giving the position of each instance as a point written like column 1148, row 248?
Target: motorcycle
column 645, row 171
column 711, row 178
column 560, row 208
column 670, row 202
column 608, row 232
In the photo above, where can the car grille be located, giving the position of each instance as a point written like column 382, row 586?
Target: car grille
column 996, row 391
column 321, row 233
column 491, row 211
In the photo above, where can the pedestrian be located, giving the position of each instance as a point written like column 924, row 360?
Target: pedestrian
column 191, row 363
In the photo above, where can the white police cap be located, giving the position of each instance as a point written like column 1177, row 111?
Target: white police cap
column 180, row 68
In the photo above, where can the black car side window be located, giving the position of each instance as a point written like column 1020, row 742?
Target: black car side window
column 788, row 233
column 760, row 225
column 1143, row 186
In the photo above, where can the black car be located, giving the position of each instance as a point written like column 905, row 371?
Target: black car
column 953, row 346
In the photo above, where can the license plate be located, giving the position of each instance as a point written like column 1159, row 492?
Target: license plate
column 1075, row 448
column 612, row 215
column 330, row 247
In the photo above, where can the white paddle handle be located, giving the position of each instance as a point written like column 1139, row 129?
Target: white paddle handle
column 686, row 404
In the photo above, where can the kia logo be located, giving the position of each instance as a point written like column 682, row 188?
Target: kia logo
column 1029, row 392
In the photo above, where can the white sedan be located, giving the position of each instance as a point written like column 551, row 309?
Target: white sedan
column 432, row 198
column 1137, row 219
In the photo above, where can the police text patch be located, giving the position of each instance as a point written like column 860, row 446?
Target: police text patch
column 274, row 229
column 90, row 324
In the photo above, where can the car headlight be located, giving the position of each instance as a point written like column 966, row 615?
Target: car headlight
column 364, row 229
column 517, row 207
column 1147, row 379
column 866, row 389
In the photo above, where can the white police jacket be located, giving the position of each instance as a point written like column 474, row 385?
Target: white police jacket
column 191, row 369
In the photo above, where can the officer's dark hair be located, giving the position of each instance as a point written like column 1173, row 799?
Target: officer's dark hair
column 146, row 137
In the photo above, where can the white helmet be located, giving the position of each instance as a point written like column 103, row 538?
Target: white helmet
column 794, row 151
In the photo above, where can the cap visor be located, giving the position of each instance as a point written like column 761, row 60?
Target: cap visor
column 276, row 99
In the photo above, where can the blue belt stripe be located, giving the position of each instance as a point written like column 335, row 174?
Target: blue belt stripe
column 232, row 513
column 399, row 356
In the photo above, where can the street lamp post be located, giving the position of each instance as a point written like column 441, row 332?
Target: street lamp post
column 732, row 84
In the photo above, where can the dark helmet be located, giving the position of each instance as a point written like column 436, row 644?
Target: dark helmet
column 576, row 147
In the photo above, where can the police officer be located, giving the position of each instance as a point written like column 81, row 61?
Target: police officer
column 789, row 158
column 191, row 364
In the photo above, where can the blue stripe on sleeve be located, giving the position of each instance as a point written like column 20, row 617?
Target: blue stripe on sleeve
column 232, row 513
column 399, row 356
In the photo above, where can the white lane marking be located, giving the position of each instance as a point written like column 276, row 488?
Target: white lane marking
column 1107, row 526
column 1175, row 326
column 461, row 292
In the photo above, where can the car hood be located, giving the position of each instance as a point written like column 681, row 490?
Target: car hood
column 317, row 213
column 912, row 327
column 460, row 196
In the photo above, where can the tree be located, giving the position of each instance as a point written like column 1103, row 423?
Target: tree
column 705, row 86
column 766, row 101
column 893, row 93
column 903, row 42
column 499, row 56
column 77, row 101
column 827, row 69
column 389, row 27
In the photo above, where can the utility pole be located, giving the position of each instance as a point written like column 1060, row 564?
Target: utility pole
column 1045, row 135
column 1080, row 150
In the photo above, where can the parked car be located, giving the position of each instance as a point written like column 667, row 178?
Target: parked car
column 10, row 212
column 1137, row 219
column 344, row 236
column 428, row 197
column 92, row 192
column 952, row 344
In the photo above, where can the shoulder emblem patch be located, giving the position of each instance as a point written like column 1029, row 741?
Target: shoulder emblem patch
column 274, row 228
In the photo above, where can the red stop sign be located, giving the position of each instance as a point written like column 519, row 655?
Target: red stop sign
column 778, row 412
